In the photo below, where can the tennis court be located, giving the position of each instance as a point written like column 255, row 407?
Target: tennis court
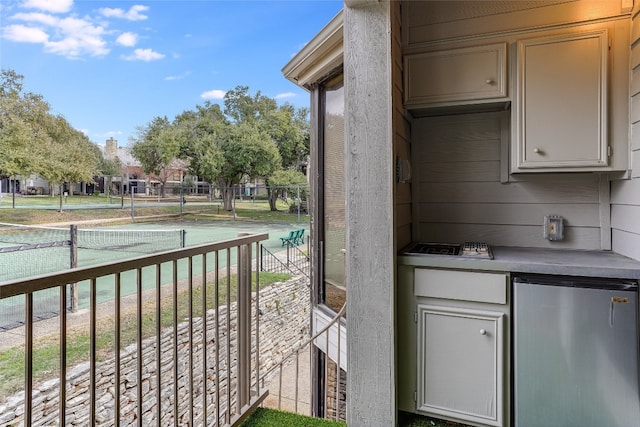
column 143, row 238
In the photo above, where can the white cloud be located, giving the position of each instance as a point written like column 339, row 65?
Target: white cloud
column 23, row 34
column 53, row 6
column 79, row 37
column 285, row 95
column 178, row 77
column 144, row 55
column 135, row 13
column 213, row 94
column 39, row 18
column 70, row 37
column 127, row 39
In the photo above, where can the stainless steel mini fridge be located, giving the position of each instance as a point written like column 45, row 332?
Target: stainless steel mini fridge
column 575, row 352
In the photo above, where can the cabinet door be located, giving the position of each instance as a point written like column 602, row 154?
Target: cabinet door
column 560, row 115
column 460, row 366
column 456, row 76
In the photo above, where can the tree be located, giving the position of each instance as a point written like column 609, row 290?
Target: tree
column 251, row 137
column 199, row 133
column 289, row 128
column 246, row 151
column 286, row 126
column 66, row 155
column 282, row 182
column 22, row 115
column 157, row 147
column 33, row 140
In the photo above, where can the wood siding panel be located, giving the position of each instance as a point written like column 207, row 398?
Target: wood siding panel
column 459, row 172
column 635, row 31
column 403, row 194
column 402, row 133
column 634, row 59
column 437, row 20
column 403, row 215
column 510, row 214
column 510, row 235
column 458, row 193
column 539, row 191
column 625, row 192
column 626, row 218
column 635, row 109
column 403, row 234
column 625, row 195
column 635, row 162
column 635, row 137
column 627, row 244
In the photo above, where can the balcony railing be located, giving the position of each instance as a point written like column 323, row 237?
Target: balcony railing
column 200, row 369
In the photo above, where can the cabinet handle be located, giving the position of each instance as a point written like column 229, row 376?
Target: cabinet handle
column 489, row 81
column 537, row 150
column 483, row 332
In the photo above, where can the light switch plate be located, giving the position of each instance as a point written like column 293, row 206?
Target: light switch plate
column 553, row 227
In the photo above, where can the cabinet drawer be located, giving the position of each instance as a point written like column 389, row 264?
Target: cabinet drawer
column 461, row 285
column 456, row 75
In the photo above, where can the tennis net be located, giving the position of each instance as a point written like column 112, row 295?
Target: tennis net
column 33, row 250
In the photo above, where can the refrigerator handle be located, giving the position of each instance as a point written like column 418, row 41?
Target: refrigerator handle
column 614, row 301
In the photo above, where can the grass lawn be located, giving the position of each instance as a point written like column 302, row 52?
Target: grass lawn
column 27, row 213
column 263, row 417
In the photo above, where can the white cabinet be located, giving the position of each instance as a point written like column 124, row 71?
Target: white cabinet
column 454, row 345
column 456, row 76
column 561, row 106
column 460, row 366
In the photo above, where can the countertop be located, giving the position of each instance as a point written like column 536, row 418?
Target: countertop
column 538, row 261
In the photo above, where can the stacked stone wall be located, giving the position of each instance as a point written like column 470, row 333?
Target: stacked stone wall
column 284, row 325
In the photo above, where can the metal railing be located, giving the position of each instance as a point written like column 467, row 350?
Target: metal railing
column 199, row 370
column 294, row 261
column 330, row 338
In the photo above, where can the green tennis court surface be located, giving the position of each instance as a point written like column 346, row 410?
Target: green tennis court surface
column 22, row 263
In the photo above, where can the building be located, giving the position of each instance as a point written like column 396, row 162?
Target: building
column 453, row 121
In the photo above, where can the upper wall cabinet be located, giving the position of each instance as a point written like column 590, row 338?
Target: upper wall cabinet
column 456, row 76
column 569, row 103
column 561, row 109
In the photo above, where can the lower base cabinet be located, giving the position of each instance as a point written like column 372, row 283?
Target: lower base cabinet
column 453, row 346
column 460, row 363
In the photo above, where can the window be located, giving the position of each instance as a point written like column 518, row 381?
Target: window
column 331, row 212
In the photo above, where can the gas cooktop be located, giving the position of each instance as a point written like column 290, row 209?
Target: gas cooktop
column 433, row 249
column 468, row 249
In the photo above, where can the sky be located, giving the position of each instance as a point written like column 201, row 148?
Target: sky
column 110, row 67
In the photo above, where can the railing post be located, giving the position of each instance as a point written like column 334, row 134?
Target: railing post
column 244, row 324
column 73, row 264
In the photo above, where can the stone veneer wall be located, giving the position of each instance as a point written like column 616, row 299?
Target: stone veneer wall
column 341, row 401
column 284, row 325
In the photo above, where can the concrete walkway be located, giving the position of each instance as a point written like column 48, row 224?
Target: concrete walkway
column 282, row 388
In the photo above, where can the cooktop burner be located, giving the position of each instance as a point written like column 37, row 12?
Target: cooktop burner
column 433, row 249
